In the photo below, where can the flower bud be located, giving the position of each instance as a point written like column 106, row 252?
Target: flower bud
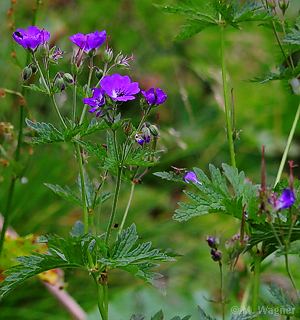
column 68, row 78
column 283, row 5
column 59, row 83
column 154, row 130
column 128, row 130
column 107, row 55
column 26, row 73
column 212, row 242
column 146, row 134
column 216, row 255
column 44, row 50
column 34, row 68
column 99, row 74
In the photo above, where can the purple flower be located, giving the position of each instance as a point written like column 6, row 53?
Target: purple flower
column 191, row 176
column 90, row 41
column 142, row 139
column 157, row 97
column 97, row 100
column 216, row 255
column 286, row 200
column 119, row 88
column 211, row 242
column 31, row 38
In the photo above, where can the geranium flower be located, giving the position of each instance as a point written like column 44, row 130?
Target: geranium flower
column 286, row 200
column 97, row 100
column 119, row 88
column 90, row 41
column 31, row 38
column 191, row 176
column 154, row 97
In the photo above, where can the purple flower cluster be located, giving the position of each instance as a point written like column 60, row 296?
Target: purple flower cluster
column 31, row 38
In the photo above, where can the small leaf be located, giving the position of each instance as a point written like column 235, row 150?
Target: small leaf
column 78, row 230
column 33, row 87
column 138, row 317
column 203, row 315
column 66, row 193
column 158, row 316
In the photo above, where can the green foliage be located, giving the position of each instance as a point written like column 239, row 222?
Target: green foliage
column 215, row 196
column 293, row 37
column 171, row 176
column 92, row 197
column 62, row 253
column 265, row 234
column 230, row 12
column 286, row 306
column 244, row 316
column 136, row 260
column 203, row 315
column 48, row 133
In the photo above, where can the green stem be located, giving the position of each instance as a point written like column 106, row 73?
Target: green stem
column 101, row 307
column 290, row 275
column 255, row 292
column 127, row 208
column 114, row 207
column 226, row 100
column 57, row 111
column 6, row 213
column 74, row 102
column 288, row 145
column 88, row 90
column 222, row 291
column 105, row 294
column 83, row 195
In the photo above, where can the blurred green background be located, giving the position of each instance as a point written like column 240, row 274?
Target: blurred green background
column 192, row 125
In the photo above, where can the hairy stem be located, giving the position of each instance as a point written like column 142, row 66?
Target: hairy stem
column 226, row 100
column 127, row 208
column 222, row 291
column 288, row 145
column 287, row 267
column 114, row 206
column 255, row 291
column 83, row 195
column 101, row 306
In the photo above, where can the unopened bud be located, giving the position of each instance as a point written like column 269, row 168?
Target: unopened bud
column 68, row 78
column 146, row 133
column 59, row 83
column 107, row 55
column 283, row 5
column 34, row 68
column 44, row 50
column 26, row 73
column 154, row 130
column 99, row 74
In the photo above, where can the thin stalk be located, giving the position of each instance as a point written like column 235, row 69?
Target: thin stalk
column 127, row 208
column 222, row 291
column 83, row 195
column 74, row 102
column 105, row 294
column 255, row 292
column 100, row 299
column 288, row 145
column 226, row 100
column 100, row 190
column 88, row 89
column 287, row 267
column 114, row 207
column 57, row 111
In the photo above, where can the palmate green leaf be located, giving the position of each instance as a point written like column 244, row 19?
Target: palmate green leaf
column 62, row 253
column 203, row 15
column 142, row 157
column 213, row 195
column 49, row 134
column 293, row 37
column 66, row 193
column 203, row 315
column 265, row 235
column 138, row 260
column 244, row 316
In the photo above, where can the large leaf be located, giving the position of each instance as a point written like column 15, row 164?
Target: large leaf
column 49, row 134
column 216, row 196
column 202, row 15
column 62, row 253
column 137, row 260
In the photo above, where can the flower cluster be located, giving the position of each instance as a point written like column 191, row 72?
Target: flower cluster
column 90, row 42
column 213, row 243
